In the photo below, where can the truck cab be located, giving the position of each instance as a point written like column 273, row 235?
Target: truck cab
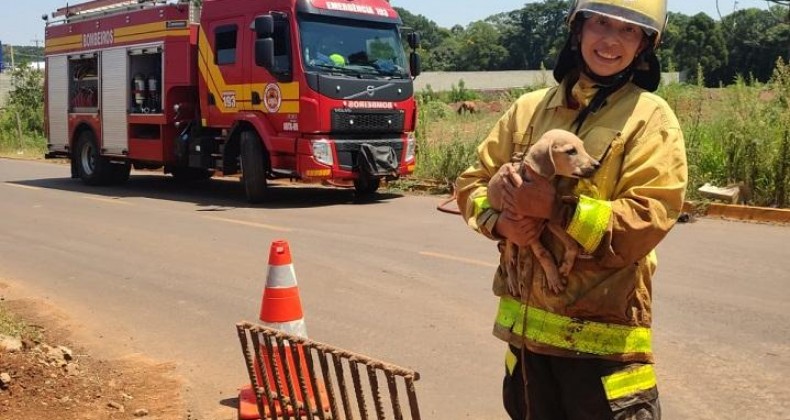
column 325, row 88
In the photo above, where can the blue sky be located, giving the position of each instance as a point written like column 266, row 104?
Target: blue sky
column 21, row 23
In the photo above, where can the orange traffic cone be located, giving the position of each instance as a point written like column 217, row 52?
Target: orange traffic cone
column 281, row 308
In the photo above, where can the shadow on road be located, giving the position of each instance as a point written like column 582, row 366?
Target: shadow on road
column 230, row 402
column 214, row 194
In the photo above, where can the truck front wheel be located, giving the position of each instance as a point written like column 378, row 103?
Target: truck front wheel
column 365, row 186
column 253, row 167
column 92, row 168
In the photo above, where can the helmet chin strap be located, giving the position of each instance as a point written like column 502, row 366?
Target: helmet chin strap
column 606, row 85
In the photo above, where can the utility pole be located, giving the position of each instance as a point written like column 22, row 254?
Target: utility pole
column 37, row 59
column 13, row 64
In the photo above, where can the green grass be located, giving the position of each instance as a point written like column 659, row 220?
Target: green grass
column 12, row 326
column 32, row 146
column 35, row 152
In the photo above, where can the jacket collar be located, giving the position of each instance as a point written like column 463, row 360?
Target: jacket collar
column 583, row 90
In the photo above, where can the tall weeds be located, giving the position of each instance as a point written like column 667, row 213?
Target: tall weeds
column 446, row 141
column 736, row 135
column 780, row 83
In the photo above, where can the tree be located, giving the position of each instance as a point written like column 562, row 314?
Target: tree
column 480, row 48
column 703, row 45
column 27, row 98
column 444, row 57
column 508, row 24
column 777, row 9
column 437, row 49
column 24, row 110
column 671, row 39
column 752, row 42
column 534, row 35
column 430, row 33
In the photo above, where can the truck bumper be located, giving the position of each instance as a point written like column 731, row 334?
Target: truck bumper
column 345, row 164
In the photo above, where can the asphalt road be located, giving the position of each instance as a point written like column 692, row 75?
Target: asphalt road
column 166, row 270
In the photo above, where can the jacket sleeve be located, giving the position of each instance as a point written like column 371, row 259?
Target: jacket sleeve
column 472, row 184
column 647, row 199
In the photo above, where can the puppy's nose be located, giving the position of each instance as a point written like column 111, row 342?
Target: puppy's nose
column 596, row 164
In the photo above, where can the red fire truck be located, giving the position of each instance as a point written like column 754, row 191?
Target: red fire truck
column 302, row 89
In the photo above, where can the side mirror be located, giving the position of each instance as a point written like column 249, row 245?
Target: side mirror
column 415, row 64
column 414, row 40
column 264, row 26
column 264, row 53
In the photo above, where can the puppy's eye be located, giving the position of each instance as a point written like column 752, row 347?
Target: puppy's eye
column 571, row 152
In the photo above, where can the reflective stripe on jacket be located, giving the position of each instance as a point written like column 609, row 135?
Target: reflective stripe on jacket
column 624, row 211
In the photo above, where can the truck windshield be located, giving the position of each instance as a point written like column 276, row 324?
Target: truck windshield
column 356, row 48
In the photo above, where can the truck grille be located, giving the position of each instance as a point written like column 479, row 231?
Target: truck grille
column 369, row 121
column 348, row 150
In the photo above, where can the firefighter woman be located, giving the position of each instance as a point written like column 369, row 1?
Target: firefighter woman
column 585, row 352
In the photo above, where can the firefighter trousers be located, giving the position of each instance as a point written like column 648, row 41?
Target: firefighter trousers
column 562, row 388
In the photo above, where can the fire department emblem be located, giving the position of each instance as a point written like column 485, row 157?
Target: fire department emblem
column 272, row 97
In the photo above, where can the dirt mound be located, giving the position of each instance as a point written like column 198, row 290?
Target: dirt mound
column 54, row 379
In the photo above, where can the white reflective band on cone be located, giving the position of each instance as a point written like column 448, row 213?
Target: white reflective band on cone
column 297, row 328
column 281, row 276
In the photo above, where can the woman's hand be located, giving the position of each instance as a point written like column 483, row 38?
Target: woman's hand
column 533, row 197
column 521, row 230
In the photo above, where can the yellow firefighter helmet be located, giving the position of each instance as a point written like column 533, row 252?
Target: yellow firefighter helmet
column 651, row 15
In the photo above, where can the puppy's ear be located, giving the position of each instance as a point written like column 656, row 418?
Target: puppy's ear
column 541, row 157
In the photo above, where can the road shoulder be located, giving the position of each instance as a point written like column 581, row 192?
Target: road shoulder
column 57, row 378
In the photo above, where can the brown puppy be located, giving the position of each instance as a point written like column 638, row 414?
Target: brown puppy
column 557, row 152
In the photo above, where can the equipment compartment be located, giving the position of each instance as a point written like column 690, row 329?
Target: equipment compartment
column 145, row 73
column 83, row 83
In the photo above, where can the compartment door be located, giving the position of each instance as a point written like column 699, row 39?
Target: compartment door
column 114, row 101
column 58, row 103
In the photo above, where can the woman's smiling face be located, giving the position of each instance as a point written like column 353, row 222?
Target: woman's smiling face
column 609, row 45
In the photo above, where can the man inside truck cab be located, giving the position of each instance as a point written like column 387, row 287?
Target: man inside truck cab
column 333, row 59
column 324, row 52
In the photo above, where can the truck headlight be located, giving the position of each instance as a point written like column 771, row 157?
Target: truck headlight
column 411, row 147
column 322, row 152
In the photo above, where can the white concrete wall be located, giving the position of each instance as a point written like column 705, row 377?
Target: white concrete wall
column 5, row 86
column 494, row 80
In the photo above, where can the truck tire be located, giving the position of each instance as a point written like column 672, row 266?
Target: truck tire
column 92, row 167
column 253, row 167
column 365, row 186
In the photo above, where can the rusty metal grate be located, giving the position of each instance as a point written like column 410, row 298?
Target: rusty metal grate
column 278, row 363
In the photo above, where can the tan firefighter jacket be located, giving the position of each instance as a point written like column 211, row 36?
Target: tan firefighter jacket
column 623, row 212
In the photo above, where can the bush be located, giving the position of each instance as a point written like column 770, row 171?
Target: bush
column 22, row 118
column 426, row 95
column 445, row 160
column 436, row 110
column 461, row 93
